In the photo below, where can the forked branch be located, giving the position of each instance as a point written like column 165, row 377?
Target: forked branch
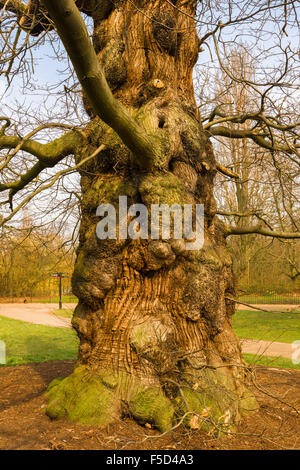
column 48, row 155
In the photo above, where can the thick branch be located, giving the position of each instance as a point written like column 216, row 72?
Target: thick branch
column 260, row 231
column 48, row 155
column 242, row 118
column 250, row 134
column 30, row 196
column 73, row 33
column 236, row 213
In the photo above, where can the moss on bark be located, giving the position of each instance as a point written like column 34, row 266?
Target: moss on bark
column 100, row 397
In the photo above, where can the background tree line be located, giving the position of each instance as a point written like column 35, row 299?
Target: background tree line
column 28, row 257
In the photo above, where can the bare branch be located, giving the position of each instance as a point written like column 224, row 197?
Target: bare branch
column 51, row 183
column 48, row 155
column 14, row 6
column 73, row 33
column 226, row 171
column 257, row 137
column 260, row 231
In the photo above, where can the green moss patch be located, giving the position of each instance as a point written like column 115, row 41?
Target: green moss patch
column 82, row 397
column 107, row 190
column 152, row 406
column 163, row 189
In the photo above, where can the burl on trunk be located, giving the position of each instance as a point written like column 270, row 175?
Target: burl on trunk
column 154, row 319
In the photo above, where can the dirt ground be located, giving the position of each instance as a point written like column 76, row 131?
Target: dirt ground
column 23, row 425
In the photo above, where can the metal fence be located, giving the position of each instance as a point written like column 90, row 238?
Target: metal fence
column 270, row 297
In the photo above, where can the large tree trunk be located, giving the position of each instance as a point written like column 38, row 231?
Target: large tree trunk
column 154, row 320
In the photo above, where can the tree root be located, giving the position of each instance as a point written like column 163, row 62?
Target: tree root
column 101, row 397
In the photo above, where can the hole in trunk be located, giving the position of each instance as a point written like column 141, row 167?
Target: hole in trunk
column 161, row 123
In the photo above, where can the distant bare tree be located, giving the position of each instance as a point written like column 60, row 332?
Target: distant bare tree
column 266, row 191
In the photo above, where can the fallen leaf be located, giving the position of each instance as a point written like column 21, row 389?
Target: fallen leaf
column 205, row 412
column 194, row 422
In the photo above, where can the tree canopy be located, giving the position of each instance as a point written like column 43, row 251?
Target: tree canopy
column 262, row 34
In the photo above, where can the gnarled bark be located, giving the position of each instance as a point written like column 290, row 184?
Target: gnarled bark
column 154, row 320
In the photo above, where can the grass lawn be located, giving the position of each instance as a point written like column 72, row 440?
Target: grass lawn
column 64, row 312
column 26, row 342
column 268, row 361
column 273, row 326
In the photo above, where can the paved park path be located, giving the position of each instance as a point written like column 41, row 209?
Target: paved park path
column 42, row 314
column 267, row 348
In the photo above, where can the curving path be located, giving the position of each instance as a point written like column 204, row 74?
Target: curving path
column 40, row 314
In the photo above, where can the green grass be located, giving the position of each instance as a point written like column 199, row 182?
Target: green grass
column 64, row 312
column 270, row 299
column 268, row 361
column 272, row 326
column 26, row 342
